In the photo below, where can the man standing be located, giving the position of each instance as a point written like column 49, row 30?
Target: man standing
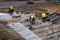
column 11, row 10
column 44, row 16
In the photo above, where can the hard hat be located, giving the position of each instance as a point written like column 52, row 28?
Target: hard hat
column 43, row 14
column 11, row 7
column 32, row 16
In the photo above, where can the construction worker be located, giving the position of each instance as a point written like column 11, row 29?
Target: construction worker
column 11, row 10
column 32, row 19
column 44, row 16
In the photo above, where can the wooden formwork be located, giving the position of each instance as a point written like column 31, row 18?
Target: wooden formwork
column 7, row 21
column 57, row 8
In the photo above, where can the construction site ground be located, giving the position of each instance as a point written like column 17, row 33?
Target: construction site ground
column 45, row 30
column 34, row 7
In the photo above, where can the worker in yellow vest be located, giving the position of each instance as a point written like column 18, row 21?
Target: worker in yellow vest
column 11, row 10
column 44, row 16
column 32, row 19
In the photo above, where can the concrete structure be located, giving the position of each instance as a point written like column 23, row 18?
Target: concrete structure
column 23, row 31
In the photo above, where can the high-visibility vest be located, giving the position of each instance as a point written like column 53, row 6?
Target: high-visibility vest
column 32, row 17
column 44, row 15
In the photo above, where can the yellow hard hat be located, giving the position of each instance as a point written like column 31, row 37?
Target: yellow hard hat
column 32, row 16
column 43, row 14
column 11, row 7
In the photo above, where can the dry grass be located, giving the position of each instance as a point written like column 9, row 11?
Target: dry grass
column 5, row 35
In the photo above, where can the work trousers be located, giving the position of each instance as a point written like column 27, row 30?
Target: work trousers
column 32, row 20
column 11, row 11
column 44, row 19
